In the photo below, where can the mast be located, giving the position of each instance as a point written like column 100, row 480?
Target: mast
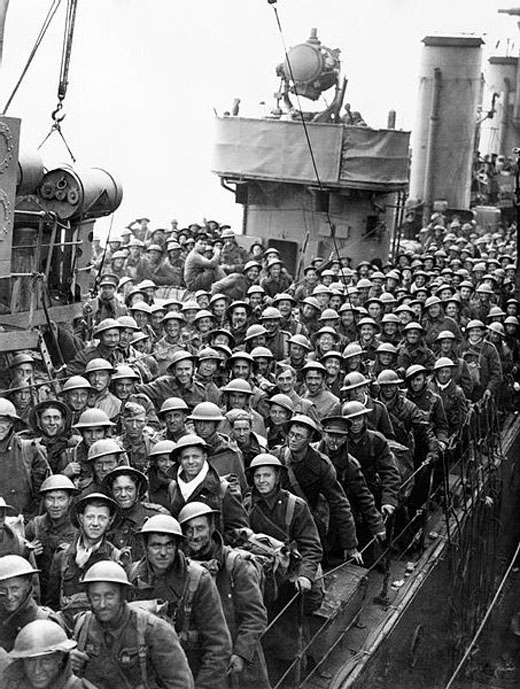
column 4, row 4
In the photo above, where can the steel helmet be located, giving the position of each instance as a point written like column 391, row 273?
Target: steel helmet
column 312, row 301
column 79, row 506
column 256, row 330
column 444, row 362
column 208, row 353
column 387, row 347
column 236, row 385
column 190, row 440
column 388, row 377
column 162, row 523
column 91, row 418
column 147, row 284
column 413, row 326
column 204, row 313
column 163, row 447
column 367, row 321
column 353, row 380
column 270, row 313
column 484, row 289
column 413, row 371
column 141, row 306
column 497, row 328
column 206, row 411
column 20, row 359
column 495, row 312
column 193, row 510
column 265, row 459
column 335, row 424
column 431, row 301
column 8, row 409
column 103, row 447
column 352, row 349
column 283, row 401
column 76, row 383
column 41, row 638
column 390, row 318
column 126, row 470
column 255, row 289
column 15, row 566
column 301, row 341
column 284, row 296
column 98, row 365
column 314, row 366
column 105, row 571
column 173, row 404
column 173, row 316
column 328, row 315
column 364, row 283
column 387, row 298
column 128, row 323
column 511, row 320
column 326, row 330
column 240, row 356
column 57, row 482
column 251, row 264
column 262, row 353
column 107, row 324
column 351, row 410
column 303, row 420
column 475, row 323
column 123, row 371
column 179, row 356
column 4, row 505
column 446, row 335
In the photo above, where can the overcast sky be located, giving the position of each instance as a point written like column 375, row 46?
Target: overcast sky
column 146, row 77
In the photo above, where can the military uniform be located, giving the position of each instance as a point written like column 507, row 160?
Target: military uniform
column 140, row 650
column 23, row 468
column 194, row 608
column 11, row 624
column 124, row 532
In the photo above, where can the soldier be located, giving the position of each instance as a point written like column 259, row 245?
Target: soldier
column 41, row 659
column 198, row 481
column 120, row 647
column 108, row 333
column 123, row 384
column 136, row 442
column 93, row 515
column 223, row 456
column 326, row 403
column 371, row 450
column 17, row 604
column 23, row 466
column 51, row 424
column 75, row 393
column 238, row 581
column 276, row 339
column 93, row 425
column 173, row 413
column 99, row 374
column 161, row 472
column 286, row 518
column 192, row 603
column 105, row 304
column 453, row 398
column 483, row 361
column 178, row 382
column 128, row 486
column 53, row 529
column 355, row 388
column 233, row 257
column 413, row 349
column 311, row 476
column 103, row 456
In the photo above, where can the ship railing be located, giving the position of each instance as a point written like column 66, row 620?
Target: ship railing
column 472, row 452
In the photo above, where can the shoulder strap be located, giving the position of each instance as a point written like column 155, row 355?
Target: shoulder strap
column 289, row 513
column 142, row 623
column 81, row 629
column 231, row 558
column 26, row 460
column 194, row 575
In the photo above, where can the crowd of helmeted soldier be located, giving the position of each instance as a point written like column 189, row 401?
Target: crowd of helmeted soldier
column 221, row 434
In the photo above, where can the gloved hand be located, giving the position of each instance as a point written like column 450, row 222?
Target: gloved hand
column 353, row 554
column 236, row 665
column 303, row 584
column 387, row 510
column 78, row 661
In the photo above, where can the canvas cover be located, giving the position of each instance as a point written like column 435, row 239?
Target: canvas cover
column 278, row 150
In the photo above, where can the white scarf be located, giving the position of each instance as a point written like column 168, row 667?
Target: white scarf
column 188, row 487
column 83, row 552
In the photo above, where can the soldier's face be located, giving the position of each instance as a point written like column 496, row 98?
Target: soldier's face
column 175, row 421
column 23, row 372
column 106, row 600
column 77, row 399
column 192, row 460
column 285, row 382
column 314, row 381
column 183, row 371
column 90, row 435
column 241, row 369
column 13, row 592
column 265, row 479
column 6, row 425
column 357, row 394
column 443, row 375
column 161, row 550
column 418, row 382
column 51, row 422
column 241, row 431
column 43, row 671
column 237, row 400
column 207, row 367
column 94, row 521
column 123, row 388
column 124, row 490
column 56, row 503
column 334, row 441
column 278, row 415
column 298, row 437
column 125, row 337
column 285, row 307
column 198, row 534
column 205, row 429
column 164, row 463
column 99, row 380
column 103, row 465
column 110, row 338
column 238, row 317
